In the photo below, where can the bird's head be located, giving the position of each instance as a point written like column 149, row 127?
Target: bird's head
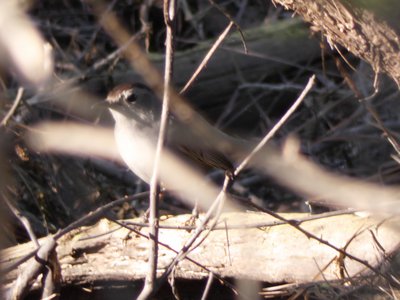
column 133, row 100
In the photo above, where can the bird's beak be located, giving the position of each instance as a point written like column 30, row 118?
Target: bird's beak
column 100, row 105
column 116, row 106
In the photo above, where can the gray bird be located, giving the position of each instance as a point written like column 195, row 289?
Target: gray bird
column 136, row 112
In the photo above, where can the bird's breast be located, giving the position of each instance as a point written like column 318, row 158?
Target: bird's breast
column 136, row 145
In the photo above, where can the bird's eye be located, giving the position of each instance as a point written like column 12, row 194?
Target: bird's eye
column 129, row 96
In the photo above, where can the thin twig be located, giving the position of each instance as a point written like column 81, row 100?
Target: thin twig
column 221, row 200
column 113, row 55
column 129, row 226
column 94, row 35
column 43, row 252
column 24, row 221
column 32, row 270
column 321, row 240
column 215, row 207
column 262, row 224
column 90, row 217
column 207, row 57
column 13, row 107
column 169, row 17
column 278, row 125
column 208, row 286
column 144, row 20
column 366, row 102
column 229, row 17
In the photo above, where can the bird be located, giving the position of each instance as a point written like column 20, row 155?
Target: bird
column 136, row 112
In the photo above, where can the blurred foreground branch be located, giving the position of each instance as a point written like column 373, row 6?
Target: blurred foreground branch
column 288, row 167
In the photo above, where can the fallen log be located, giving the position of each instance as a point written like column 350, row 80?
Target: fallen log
column 248, row 245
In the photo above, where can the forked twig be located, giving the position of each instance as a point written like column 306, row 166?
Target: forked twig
column 90, row 217
column 207, row 57
column 229, row 17
column 278, row 125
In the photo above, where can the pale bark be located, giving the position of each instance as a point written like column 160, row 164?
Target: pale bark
column 246, row 250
